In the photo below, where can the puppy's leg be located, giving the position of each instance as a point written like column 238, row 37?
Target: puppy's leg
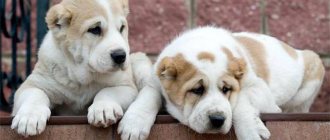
column 109, row 105
column 252, row 100
column 247, row 123
column 304, row 98
column 31, row 111
column 312, row 81
column 140, row 116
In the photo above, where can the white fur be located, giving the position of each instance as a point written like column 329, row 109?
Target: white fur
column 88, row 83
column 140, row 116
column 284, row 88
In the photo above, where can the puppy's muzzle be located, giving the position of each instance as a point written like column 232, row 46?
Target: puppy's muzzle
column 216, row 120
column 118, row 56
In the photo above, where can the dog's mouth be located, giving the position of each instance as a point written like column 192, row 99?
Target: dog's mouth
column 117, row 67
column 114, row 68
column 217, row 124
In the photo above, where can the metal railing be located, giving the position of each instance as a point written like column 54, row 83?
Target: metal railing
column 15, row 24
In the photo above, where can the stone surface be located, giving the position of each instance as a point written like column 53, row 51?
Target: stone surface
column 153, row 23
column 304, row 24
column 235, row 15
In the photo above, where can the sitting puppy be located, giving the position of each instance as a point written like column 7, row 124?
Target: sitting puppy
column 83, row 63
column 211, row 77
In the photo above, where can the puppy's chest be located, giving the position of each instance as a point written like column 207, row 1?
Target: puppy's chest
column 77, row 100
column 87, row 92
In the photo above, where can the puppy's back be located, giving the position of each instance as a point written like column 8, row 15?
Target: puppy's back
column 286, row 69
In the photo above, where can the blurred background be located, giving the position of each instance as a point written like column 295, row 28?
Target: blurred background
column 304, row 24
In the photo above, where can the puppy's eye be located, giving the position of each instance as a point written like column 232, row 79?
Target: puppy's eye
column 95, row 30
column 198, row 91
column 226, row 90
column 122, row 27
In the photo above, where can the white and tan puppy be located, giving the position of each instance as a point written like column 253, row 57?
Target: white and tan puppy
column 83, row 67
column 211, row 77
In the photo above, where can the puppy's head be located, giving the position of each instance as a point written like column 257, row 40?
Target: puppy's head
column 200, row 84
column 91, row 32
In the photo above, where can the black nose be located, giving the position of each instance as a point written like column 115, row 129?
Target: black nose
column 118, row 56
column 217, row 120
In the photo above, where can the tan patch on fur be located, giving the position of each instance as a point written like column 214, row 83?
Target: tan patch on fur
column 236, row 66
column 77, row 12
column 191, row 98
column 228, row 53
column 176, row 75
column 289, row 50
column 83, row 10
column 120, row 7
column 67, row 19
column 257, row 55
column 232, row 82
column 206, row 56
column 229, row 81
column 314, row 69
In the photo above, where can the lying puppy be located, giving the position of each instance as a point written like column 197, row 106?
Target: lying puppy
column 83, row 63
column 211, row 77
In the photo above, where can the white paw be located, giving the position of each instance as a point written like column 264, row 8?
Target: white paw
column 135, row 125
column 104, row 113
column 263, row 132
column 252, row 131
column 31, row 120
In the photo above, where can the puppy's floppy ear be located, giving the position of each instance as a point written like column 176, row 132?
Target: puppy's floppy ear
column 166, row 69
column 58, row 17
column 237, row 67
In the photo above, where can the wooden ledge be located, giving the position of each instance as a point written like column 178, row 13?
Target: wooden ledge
column 166, row 119
column 311, row 126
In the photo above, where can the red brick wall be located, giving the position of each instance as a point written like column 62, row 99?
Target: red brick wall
column 304, row 24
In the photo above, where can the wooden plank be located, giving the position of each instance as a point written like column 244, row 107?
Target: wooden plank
column 61, row 132
column 229, row 136
column 285, row 130
column 281, row 130
column 165, row 119
column 301, row 126
column 169, row 131
column 181, row 132
column 296, row 116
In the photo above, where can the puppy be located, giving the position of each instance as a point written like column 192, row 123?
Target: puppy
column 83, row 63
column 211, row 77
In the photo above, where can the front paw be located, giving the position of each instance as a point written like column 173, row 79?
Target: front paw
column 104, row 113
column 31, row 120
column 263, row 132
column 135, row 125
column 252, row 131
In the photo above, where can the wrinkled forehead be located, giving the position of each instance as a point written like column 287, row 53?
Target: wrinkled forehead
column 209, row 54
column 210, row 64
